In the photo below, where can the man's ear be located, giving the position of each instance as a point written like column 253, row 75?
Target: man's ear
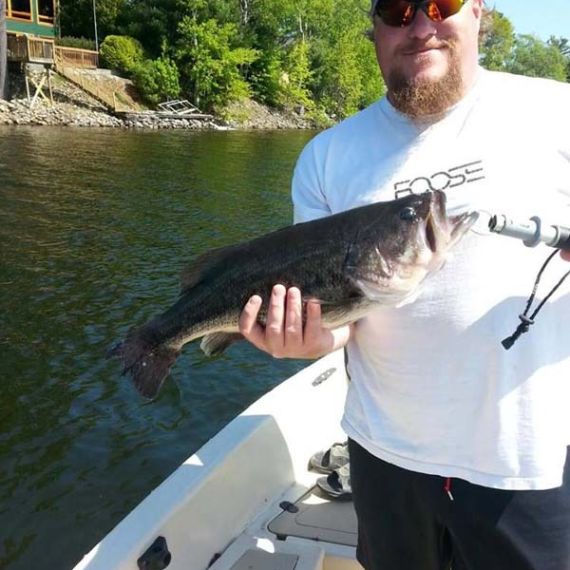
column 478, row 7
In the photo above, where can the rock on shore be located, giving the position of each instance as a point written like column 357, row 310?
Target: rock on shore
column 248, row 114
column 18, row 112
column 74, row 107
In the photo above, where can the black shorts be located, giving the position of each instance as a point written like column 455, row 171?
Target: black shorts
column 407, row 521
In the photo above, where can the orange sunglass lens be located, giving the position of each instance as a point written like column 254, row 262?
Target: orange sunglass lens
column 443, row 8
column 400, row 13
column 432, row 10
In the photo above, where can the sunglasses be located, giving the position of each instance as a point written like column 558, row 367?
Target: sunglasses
column 401, row 13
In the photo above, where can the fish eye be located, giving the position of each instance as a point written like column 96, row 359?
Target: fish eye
column 408, row 214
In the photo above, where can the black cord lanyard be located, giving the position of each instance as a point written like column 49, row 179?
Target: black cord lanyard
column 526, row 321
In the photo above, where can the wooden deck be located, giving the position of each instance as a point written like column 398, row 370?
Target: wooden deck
column 28, row 49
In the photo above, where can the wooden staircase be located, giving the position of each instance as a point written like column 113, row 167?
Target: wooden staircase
column 80, row 68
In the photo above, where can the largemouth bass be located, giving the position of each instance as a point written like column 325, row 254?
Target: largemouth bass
column 349, row 262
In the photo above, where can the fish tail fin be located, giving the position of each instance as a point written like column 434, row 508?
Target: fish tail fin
column 148, row 365
column 215, row 344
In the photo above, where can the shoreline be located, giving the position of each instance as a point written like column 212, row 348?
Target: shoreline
column 73, row 107
column 17, row 112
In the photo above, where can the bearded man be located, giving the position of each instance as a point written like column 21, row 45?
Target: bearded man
column 458, row 447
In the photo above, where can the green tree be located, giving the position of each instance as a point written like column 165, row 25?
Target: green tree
column 268, row 30
column 210, row 63
column 341, row 87
column 373, row 86
column 152, row 22
column 266, row 75
column 497, row 41
column 293, row 53
column 223, row 11
column 533, row 57
column 346, row 75
column 295, row 78
column 563, row 46
column 76, row 17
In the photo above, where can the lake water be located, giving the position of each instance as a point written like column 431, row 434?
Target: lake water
column 95, row 226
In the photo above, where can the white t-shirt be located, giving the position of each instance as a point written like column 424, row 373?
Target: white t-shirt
column 432, row 389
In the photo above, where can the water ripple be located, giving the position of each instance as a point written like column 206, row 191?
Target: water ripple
column 95, row 227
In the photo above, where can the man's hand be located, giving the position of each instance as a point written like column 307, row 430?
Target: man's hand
column 565, row 254
column 284, row 335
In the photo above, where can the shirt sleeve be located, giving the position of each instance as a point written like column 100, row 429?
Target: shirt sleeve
column 308, row 192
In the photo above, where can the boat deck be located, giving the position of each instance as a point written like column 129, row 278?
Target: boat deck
column 311, row 533
column 315, row 517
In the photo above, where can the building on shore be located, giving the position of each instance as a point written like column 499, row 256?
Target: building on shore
column 31, row 32
column 32, row 17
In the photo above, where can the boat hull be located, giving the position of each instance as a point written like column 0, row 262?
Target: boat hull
column 230, row 489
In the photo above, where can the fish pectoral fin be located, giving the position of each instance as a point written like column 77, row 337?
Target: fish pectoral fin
column 216, row 343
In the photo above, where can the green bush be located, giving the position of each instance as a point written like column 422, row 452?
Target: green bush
column 157, row 80
column 121, row 53
column 78, row 43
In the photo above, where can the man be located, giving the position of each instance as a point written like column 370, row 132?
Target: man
column 458, row 447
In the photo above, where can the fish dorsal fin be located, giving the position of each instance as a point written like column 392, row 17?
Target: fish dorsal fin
column 199, row 268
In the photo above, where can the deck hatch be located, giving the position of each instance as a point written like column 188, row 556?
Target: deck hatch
column 318, row 518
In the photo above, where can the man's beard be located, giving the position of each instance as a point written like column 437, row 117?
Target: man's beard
column 424, row 98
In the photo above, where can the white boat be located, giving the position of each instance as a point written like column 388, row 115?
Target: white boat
column 247, row 500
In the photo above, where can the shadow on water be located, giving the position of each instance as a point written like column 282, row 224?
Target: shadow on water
column 95, row 227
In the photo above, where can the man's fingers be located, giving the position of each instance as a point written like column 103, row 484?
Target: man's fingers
column 284, row 334
column 293, row 319
column 313, row 325
column 565, row 254
column 248, row 325
column 274, row 327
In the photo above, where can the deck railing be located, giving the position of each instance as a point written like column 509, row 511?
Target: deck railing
column 73, row 57
column 40, row 50
column 30, row 49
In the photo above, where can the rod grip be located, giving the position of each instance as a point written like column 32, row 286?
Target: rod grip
column 563, row 238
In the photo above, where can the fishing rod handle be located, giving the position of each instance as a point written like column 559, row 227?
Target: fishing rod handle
column 531, row 232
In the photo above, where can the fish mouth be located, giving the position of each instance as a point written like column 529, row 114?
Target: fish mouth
column 440, row 228
column 430, row 230
column 461, row 224
column 435, row 227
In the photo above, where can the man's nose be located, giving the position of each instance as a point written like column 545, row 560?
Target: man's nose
column 422, row 27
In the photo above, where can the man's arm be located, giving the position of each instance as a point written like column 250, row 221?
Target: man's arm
column 284, row 335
